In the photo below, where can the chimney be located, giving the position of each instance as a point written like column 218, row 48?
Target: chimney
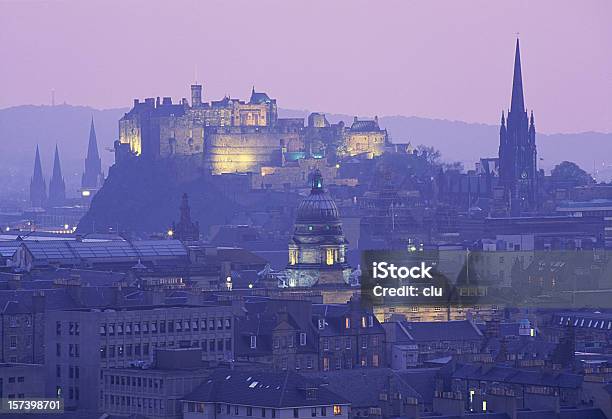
column 38, row 301
column 448, row 403
column 502, row 400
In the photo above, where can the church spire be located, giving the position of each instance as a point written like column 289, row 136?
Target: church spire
column 518, row 101
column 38, row 188
column 92, row 148
column 57, row 186
column 93, row 176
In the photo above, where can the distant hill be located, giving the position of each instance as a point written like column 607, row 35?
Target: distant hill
column 22, row 127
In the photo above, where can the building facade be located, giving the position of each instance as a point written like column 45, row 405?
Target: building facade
column 80, row 344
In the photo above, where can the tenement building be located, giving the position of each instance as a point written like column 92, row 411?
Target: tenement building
column 81, row 343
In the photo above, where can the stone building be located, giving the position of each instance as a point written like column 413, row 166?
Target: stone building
column 154, row 391
column 277, row 395
column 80, row 343
column 235, row 136
column 317, row 251
column 364, row 137
column 349, row 337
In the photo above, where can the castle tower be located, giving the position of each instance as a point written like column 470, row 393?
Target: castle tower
column 517, row 149
column 93, row 177
column 186, row 230
column 57, row 186
column 38, row 187
column 196, row 95
column 317, row 250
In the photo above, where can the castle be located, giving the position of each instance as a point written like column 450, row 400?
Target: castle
column 234, row 136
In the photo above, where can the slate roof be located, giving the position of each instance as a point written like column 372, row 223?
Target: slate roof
column 263, row 389
column 534, row 414
column 518, row 376
column 458, row 330
column 335, row 314
column 368, row 125
column 362, row 387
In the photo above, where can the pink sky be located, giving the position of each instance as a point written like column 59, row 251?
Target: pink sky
column 437, row 58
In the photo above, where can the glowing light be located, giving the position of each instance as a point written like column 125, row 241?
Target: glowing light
column 85, row 193
column 66, row 226
column 228, row 279
column 250, row 285
column 170, row 233
column 337, row 165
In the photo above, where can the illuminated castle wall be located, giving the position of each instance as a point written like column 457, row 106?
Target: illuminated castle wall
column 236, row 136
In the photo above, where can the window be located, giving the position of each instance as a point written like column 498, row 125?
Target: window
column 347, row 323
column 263, row 412
column 296, row 413
column 228, row 323
column 337, row 410
column 348, row 343
column 313, row 412
column 323, row 411
column 13, row 342
column 326, row 344
column 302, row 339
column 58, row 328
column 375, row 360
column 58, row 349
column 58, row 371
column 253, row 342
column 249, row 410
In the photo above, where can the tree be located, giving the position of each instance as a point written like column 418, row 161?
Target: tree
column 570, row 174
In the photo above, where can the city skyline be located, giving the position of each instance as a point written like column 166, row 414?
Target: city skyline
column 338, row 68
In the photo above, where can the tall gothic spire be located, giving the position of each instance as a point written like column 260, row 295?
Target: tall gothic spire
column 518, row 101
column 93, row 176
column 38, row 188
column 57, row 186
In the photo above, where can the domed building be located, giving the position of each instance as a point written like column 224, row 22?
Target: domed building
column 317, row 250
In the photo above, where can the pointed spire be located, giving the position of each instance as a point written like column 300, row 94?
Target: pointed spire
column 503, row 119
column 92, row 177
column 57, row 168
column 38, row 175
column 38, row 188
column 92, row 149
column 518, row 101
column 57, row 187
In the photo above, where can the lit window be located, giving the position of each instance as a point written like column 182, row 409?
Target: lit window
column 337, row 410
